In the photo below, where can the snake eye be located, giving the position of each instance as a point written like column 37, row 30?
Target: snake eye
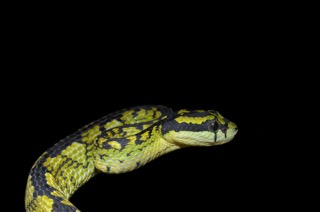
column 214, row 126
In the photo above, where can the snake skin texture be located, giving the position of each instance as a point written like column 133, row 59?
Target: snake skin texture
column 117, row 143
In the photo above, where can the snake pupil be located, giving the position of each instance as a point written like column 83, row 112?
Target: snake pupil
column 214, row 126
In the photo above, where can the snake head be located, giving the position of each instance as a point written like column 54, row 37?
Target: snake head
column 198, row 128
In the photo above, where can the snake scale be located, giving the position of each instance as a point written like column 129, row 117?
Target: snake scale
column 119, row 142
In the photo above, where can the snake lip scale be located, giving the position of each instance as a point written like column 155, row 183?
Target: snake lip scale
column 117, row 143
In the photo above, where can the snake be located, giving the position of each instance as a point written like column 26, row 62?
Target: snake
column 119, row 142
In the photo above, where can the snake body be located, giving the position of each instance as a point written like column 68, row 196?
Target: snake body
column 119, row 142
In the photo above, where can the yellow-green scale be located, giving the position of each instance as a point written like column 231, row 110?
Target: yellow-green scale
column 74, row 166
column 116, row 160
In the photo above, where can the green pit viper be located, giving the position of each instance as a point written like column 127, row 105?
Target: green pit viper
column 119, row 142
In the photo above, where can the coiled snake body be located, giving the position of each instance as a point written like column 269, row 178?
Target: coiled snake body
column 119, row 142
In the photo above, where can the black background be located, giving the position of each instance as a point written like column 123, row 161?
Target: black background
column 70, row 77
column 57, row 105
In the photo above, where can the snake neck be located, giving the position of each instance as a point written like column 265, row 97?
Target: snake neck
column 138, row 150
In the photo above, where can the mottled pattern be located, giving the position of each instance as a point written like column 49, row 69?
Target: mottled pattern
column 118, row 143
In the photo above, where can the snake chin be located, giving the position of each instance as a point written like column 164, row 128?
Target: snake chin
column 231, row 135
column 224, row 141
